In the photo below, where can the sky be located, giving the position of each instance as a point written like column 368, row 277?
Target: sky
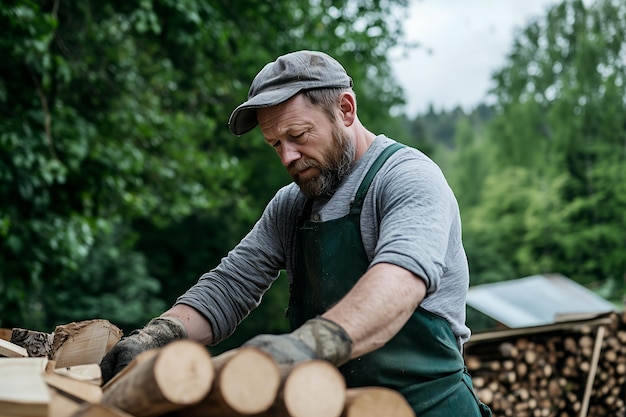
column 462, row 43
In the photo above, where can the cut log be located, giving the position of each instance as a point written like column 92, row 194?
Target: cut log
column 23, row 391
column 37, row 344
column 310, row 389
column 568, row 372
column 83, row 342
column 89, row 373
column 62, row 405
column 78, row 390
column 142, row 357
column 178, row 376
column 246, row 383
column 11, row 350
column 376, row 402
column 5, row 334
column 99, row 410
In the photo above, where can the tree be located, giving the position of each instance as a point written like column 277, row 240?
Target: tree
column 114, row 145
column 559, row 151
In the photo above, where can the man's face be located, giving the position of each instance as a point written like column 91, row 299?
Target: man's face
column 314, row 149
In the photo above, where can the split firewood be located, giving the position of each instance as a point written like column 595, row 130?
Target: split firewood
column 38, row 344
column 11, row 350
column 62, row 405
column 83, row 342
column 246, row 383
column 176, row 376
column 23, row 391
column 376, row 402
column 80, row 390
column 89, row 373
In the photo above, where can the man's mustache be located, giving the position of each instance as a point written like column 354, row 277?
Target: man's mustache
column 300, row 165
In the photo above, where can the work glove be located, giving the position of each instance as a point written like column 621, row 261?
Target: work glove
column 157, row 333
column 318, row 338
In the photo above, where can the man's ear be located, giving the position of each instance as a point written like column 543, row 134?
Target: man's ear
column 347, row 108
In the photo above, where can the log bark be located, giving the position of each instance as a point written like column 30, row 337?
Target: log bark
column 37, row 344
column 376, row 402
column 177, row 376
column 246, row 383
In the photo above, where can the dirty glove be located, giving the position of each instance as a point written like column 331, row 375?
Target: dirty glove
column 157, row 333
column 318, row 338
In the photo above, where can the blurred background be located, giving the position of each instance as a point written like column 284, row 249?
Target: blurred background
column 120, row 183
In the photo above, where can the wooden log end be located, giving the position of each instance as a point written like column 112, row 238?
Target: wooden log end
column 163, row 380
column 376, row 402
column 184, row 372
column 249, row 381
column 314, row 388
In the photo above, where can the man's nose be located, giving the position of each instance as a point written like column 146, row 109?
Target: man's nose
column 289, row 153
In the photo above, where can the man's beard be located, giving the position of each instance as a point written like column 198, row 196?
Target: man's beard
column 338, row 160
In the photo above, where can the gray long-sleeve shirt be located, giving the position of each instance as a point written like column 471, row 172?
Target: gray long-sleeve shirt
column 410, row 218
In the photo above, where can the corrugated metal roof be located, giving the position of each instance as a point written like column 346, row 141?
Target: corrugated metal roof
column 536, row 300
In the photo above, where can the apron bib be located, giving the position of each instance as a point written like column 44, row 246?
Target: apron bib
column 422, row 361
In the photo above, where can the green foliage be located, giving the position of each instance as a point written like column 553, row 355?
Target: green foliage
column 551, row 195
column 120, row 183
column 106, row 287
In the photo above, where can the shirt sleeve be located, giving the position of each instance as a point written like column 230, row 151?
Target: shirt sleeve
column 226, row 294
column 418, row 212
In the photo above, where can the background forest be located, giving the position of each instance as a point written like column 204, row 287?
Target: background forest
column 120, row 183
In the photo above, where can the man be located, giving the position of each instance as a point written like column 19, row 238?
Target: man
column 369, row 234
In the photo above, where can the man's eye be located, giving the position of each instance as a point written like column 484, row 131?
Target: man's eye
column 276, row 144
column 298, row 136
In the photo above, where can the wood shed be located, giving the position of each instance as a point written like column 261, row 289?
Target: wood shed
column 547, row 346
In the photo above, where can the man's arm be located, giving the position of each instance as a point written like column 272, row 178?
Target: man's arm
column 378, row 306
column 374, row 310
column 198, row 328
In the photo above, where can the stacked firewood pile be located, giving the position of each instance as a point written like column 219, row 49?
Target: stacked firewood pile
column 58, row 375
column 577, row 371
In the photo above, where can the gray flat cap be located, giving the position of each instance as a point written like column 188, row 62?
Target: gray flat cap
column 282, row 79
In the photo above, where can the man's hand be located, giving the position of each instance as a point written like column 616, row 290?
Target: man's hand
column 318, row 338
column 157, row 333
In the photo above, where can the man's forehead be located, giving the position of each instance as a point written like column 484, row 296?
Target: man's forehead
column 294, row 113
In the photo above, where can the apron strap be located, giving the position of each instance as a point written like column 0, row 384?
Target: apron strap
column 355, row 206
column 306, row 212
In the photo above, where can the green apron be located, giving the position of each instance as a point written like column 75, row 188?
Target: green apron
column 422, row 361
